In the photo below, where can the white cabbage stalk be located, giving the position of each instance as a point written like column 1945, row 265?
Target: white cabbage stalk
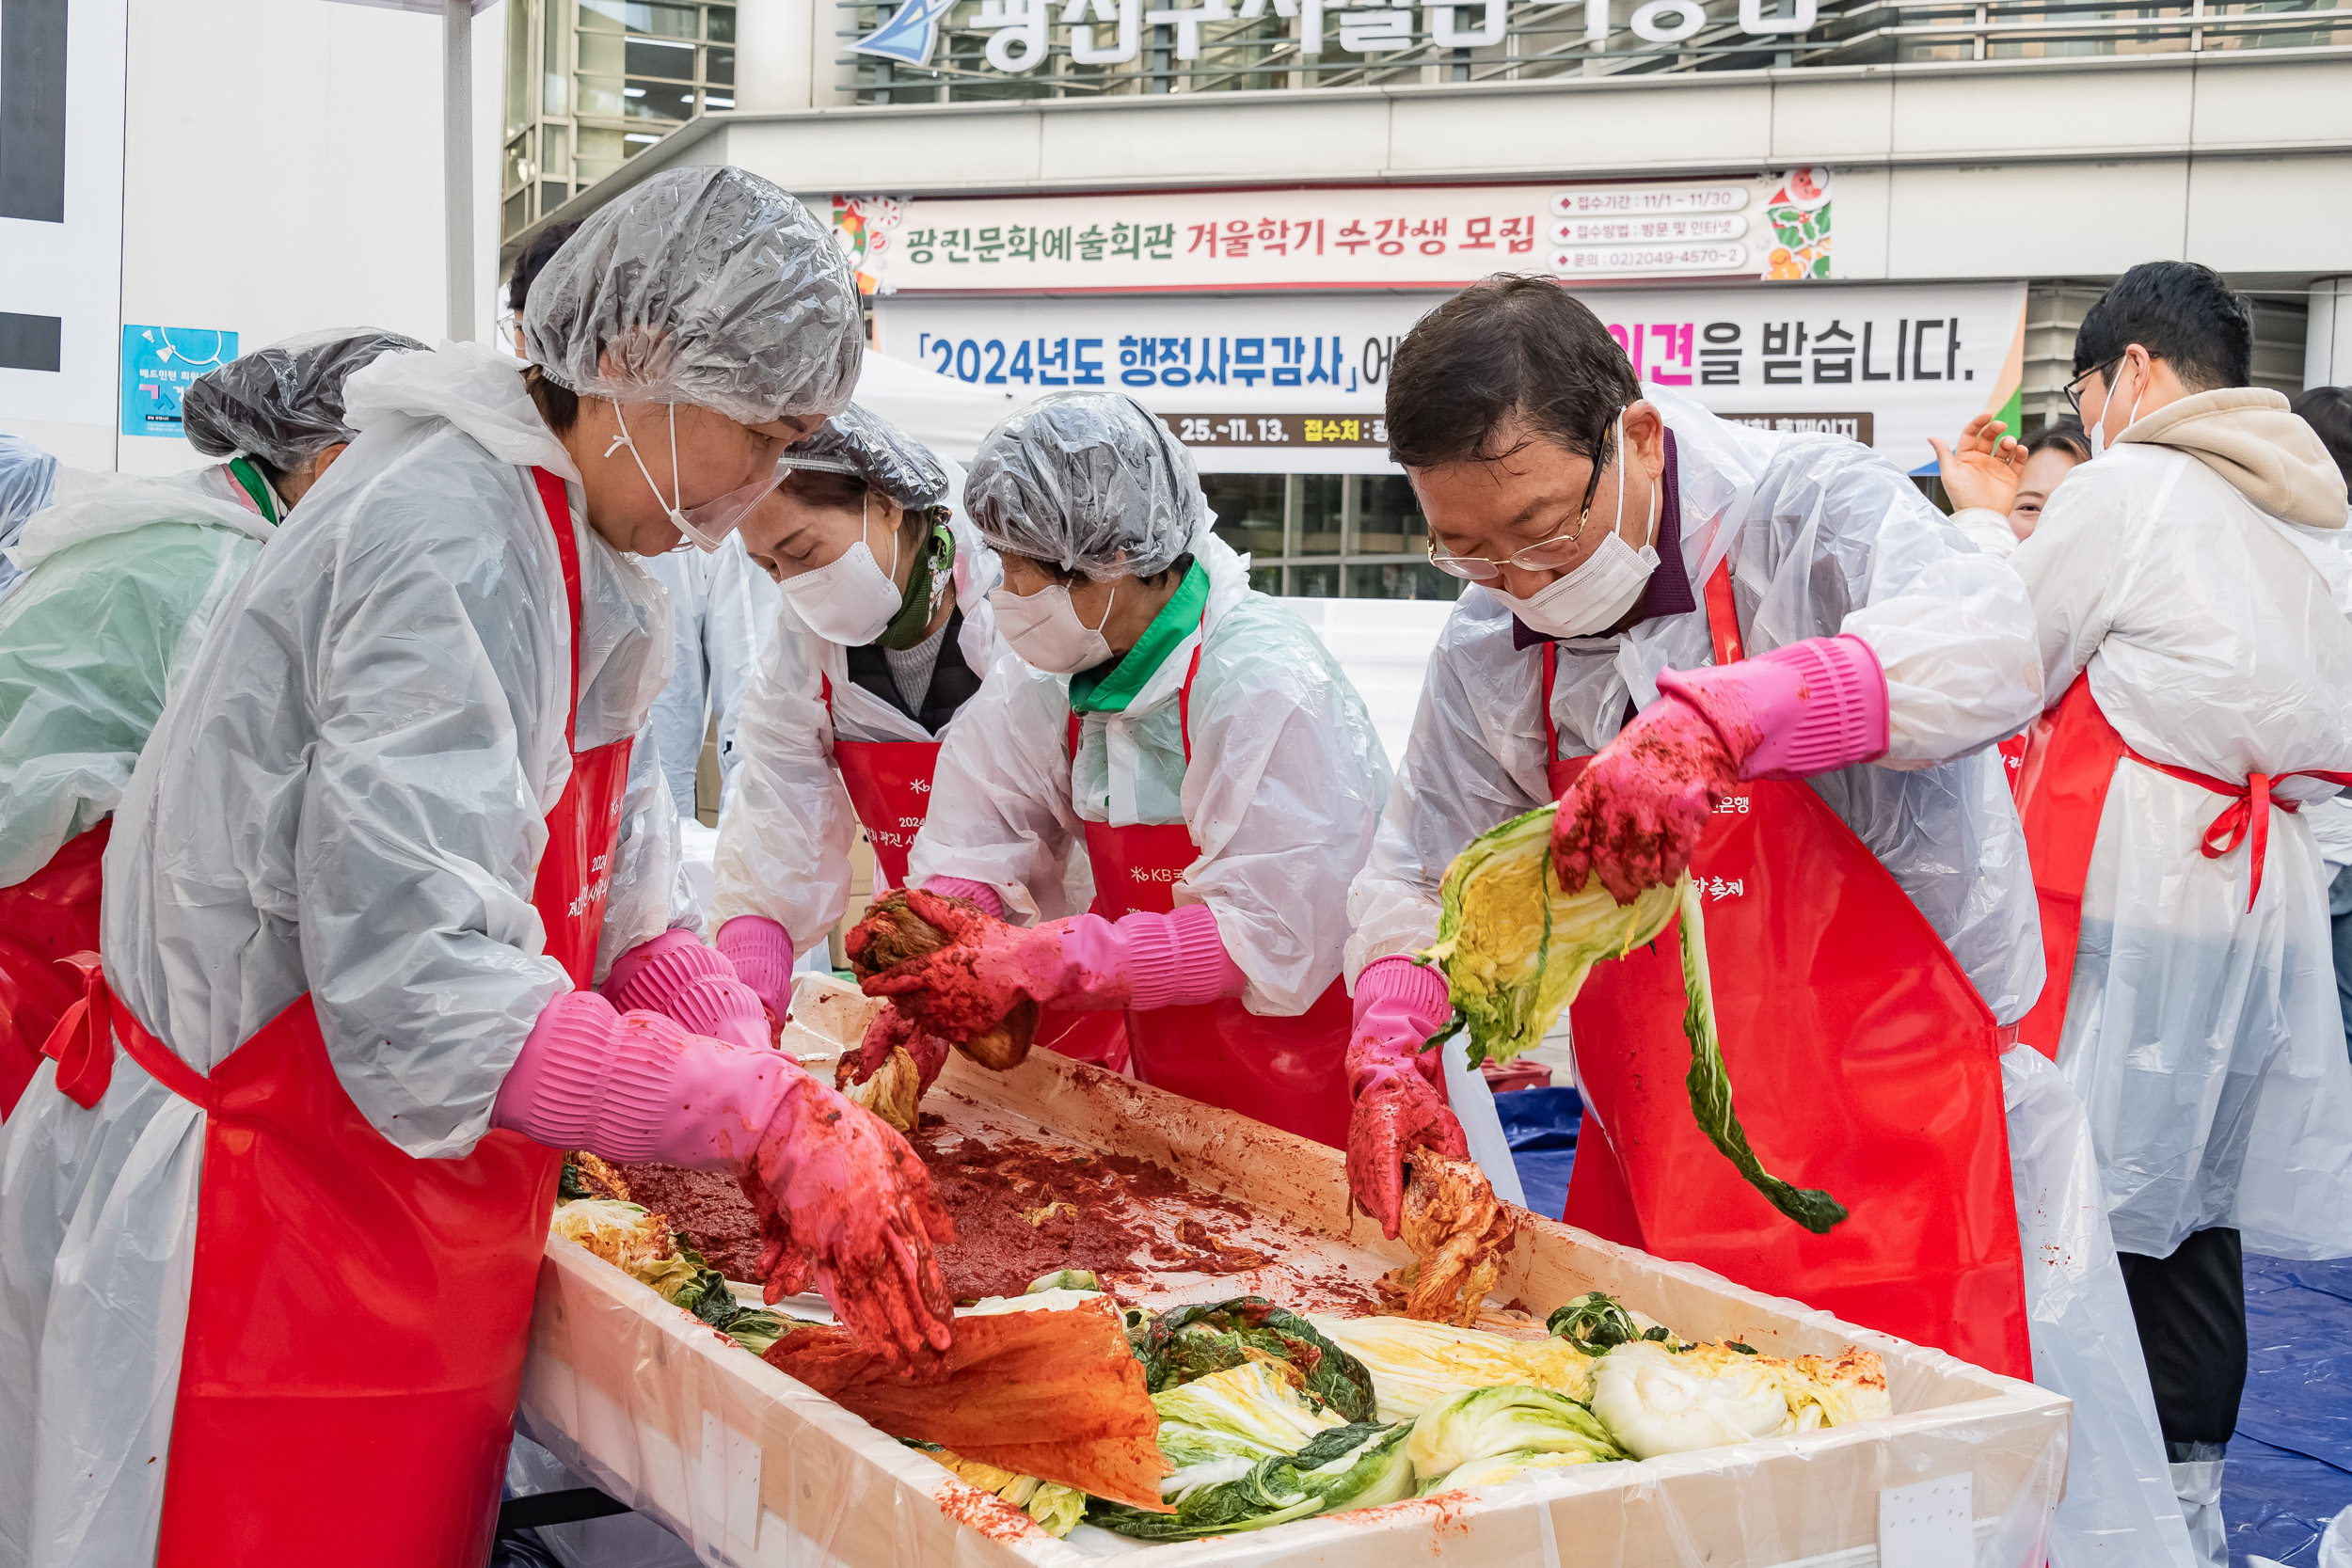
column 1495, row 1468
column 1414, row 1365
column 1654, row 1402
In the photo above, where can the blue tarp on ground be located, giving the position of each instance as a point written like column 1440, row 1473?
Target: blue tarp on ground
column 2290, row 1467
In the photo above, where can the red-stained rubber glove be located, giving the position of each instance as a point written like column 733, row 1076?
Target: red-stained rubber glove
column 761, row 952
column 841, row 1198
column 1636, row 812
column 1144, row 961
column 1399, row 1088
column 892, row 1028
column 675, row 974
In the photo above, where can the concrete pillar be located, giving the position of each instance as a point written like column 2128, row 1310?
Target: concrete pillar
column 2328, row 347
column 775, row 66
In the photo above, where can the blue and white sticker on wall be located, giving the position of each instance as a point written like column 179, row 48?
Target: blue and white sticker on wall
column 158, row 363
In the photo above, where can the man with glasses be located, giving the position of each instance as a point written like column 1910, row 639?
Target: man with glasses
column 1767, row 660
column 2190, row 592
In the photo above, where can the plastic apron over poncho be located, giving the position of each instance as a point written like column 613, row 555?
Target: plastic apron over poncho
column 382, row 713
column 28, row 475
column 785, row 835
column 1279, row 798
column 722, row 613
column 2192, row 598
column 1836, row 541
column 124, row 576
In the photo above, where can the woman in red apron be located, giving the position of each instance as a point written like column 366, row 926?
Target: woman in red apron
column 885, row 635
column 1182, row 745
column 91, row 641
column 276, row 1204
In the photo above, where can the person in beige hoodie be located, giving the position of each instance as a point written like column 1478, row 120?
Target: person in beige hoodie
column 2191, row 598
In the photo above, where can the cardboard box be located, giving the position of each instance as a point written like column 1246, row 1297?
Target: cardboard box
column 754, row 1468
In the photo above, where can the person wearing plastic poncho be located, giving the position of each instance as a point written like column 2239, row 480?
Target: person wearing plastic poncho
column 280, row 1197
column 885, row 634
column 1870, row 928
column 27, row 475
column 2191, row 592
column 124, row 578
column 1179, row 744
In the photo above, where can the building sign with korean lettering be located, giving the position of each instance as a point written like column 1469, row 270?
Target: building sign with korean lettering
column 1325, row 237
column 1295, row 383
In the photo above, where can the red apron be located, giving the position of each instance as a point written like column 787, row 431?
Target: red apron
column 1288, row 1073
column 890, row 789
column 2061, row 794
column 352, row 1304
column 1865, row 1063
column 2012, row 754
column 43, row 918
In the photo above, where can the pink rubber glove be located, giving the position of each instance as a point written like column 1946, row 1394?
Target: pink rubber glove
column 1143, row 961
column 761, row 953
column 677, row 976
column 1399, row 1088
column 892, row 1028
column 1638, row 810
column 841, row 1198
column 970, row 891
column 1811, row 707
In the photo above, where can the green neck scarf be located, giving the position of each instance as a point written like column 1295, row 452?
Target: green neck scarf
column 924, row 585
column 245, row 473
column 1109, row 688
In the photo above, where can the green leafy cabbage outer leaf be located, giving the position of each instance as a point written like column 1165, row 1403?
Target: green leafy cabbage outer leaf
column 1246, row 1411
column 1486, row 1422
column 1516, row 946
column 1057, row 1509
column 1361, row 1464
column 1187, row 1342
column 1709, row 1082
column 1593, row 1323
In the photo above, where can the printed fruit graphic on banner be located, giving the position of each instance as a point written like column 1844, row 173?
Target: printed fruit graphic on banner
column 1797, row 211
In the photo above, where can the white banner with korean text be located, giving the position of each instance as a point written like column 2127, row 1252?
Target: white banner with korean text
column 1323, row 237
column 1297, row 384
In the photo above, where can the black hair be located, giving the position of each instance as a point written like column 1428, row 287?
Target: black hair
column 2065, row 434
column 2181, row 313
column 2329, row 411
column 558, row 405
column 533, row 260
column 1506, row 350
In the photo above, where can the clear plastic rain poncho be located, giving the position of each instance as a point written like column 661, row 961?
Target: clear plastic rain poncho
column 2205, row 1037
column 283, row 404
column 702, row 285
column 1287, row 774
column 27, row 474
column 1087, row 481
column 125, row 576
column 1823, row 537
column 346, row 798
column 787, row 827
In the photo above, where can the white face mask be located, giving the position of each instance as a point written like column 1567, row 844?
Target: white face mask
column 2100, row 445
column 702, row 540
column 1602, row 587
column 1044, row 629
column 849, row 599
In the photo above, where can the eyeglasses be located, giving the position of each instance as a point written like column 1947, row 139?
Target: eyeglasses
column 2075, row 388
column 1545, row 555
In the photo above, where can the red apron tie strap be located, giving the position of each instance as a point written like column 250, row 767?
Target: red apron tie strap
column 83, row 1045
column 2247, row 815
column 80, row 1044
